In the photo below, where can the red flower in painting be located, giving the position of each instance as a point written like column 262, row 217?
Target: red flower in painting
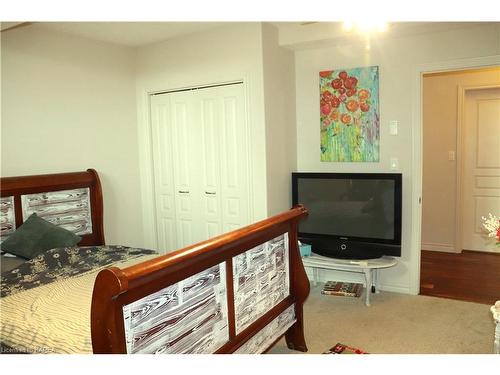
column 364, row 107
column 350, row 83
column 334, row 115
column 327, row 95
column 363, row 94
column 351, row 92
column 343, row 75
column 337, row 83
column 326, row 109
column 325, row 73
column 352, row 105
column 345, row 118
column 335, row 102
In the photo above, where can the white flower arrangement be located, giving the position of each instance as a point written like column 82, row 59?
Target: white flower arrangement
column 492, row 226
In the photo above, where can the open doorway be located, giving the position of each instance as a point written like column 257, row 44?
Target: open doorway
column 460, row 183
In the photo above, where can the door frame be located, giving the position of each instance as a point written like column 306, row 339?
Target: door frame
column 417, row 151
column 462, row 92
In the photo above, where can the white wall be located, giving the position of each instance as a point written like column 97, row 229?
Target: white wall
column 73, row 85
column 68, row 104
column 397, row 59
column 230, row 53
column 281, row 141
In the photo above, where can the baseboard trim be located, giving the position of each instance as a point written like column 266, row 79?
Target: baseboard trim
column 438, row 247
column 395, row 288
column 489, row 252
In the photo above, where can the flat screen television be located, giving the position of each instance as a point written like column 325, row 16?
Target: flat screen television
column 351, row 215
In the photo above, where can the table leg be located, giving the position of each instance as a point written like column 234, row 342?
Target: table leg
column 315, row 276
column 368, row 279
column 376, row 285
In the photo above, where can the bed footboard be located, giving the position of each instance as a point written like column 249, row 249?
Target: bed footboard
column 235, row 293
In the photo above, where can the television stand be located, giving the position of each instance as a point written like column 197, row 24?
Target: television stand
column 369, row 267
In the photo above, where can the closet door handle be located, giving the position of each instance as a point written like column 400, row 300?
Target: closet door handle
column 184, row 191
column 210, row 192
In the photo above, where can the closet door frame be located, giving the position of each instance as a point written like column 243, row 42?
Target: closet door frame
column 147, row 171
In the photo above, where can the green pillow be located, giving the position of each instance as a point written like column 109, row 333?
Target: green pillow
column 36, row 236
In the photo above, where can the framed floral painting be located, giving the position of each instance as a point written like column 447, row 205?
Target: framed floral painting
column 350, row 115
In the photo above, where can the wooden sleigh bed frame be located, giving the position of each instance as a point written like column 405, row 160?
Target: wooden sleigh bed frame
column 236, row 293
column 16, row 203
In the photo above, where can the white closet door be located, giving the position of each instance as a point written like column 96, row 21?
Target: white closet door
column 176, row 169
column 185, row 147
column 234, row 157
column 211, row 211
column 164, row 188
column 224, row 159
column 201, row 166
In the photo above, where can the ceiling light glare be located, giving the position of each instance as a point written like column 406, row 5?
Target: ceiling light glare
column 366, row 26
column 348, row 26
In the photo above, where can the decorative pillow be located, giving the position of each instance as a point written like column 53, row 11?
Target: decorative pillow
column 37, row 235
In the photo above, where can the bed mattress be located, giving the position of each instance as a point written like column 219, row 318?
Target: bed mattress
column 55, row 317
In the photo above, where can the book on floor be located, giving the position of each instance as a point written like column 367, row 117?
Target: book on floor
column 339, row 288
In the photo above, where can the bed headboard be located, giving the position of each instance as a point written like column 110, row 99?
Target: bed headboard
column 70, row 200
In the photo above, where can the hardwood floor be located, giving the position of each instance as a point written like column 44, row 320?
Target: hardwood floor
column 470, row 276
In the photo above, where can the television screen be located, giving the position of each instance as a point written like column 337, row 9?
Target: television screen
column 351, row 215
column 348, row 207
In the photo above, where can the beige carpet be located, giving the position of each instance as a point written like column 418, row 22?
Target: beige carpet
column 395, row 323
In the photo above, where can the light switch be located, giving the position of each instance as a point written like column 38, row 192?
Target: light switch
column 394, row 163
column 393, row 127
column 451, row 155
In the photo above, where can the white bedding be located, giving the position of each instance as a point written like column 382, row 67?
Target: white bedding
column 53, row 318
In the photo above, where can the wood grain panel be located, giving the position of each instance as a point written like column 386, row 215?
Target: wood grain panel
column 269, row 334
column 261, row 280
column 7, row 217
column 69, row 209
column 187, row 317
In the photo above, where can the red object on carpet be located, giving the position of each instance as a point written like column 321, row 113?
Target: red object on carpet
column 344, row 349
